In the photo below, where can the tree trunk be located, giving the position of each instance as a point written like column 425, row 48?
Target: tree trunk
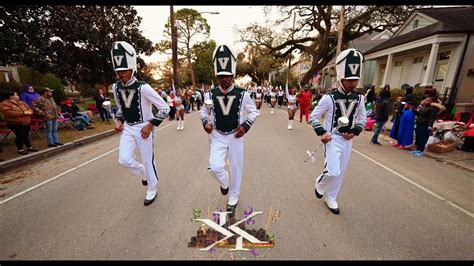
column 192, row 70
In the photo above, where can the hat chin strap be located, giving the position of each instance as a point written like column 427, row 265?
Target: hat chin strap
column 342, row 86
column 130, row 81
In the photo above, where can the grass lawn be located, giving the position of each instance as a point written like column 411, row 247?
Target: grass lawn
column 65, row 135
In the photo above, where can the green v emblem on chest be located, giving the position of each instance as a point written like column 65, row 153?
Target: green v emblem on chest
column 226, row 107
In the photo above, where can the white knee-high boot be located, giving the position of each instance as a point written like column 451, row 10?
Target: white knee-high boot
column 273, row 110
column 291, row 124
column 289, row 121
column 182, row 124
column 179, row 125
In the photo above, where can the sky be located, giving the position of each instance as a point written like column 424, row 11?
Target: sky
column 154, row 19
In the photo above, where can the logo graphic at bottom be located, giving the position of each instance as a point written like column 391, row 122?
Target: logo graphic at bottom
column 226, row 231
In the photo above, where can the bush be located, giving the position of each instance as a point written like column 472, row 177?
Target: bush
column 419, row 95
column 395, row 93
column 11, row 86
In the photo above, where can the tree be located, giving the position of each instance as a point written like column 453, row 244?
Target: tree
column 259, row 63
column 315, row 32
column 38, row 80
column 202, row 54
column 190, row 24
column 72, row 42
column 23, row 35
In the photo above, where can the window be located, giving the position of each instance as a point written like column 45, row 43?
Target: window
column 418, row 60
column 416, row 23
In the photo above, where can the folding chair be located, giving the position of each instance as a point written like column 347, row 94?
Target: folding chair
column 4, row 133
column 465, row 117
column 36, row 126
column 66, row 122
column 93, row 108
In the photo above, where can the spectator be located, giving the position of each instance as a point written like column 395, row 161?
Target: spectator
column 280, row 96
column 191, row 99
column 72, row 109
column 198, row 99
column 370, row 96
column 382, row 111
column 409, row 97
column 305, row 103
column 171, row 104
column 433, row 93
column 407, row 126
column 29, row 95
column 46, row 108
column 397, row 108
column 425, row 117
column 100, row 98
column 17, row 114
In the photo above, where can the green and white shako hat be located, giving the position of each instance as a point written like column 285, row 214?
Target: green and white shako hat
column 225, row 60
column 123, row 56
column 349, row 64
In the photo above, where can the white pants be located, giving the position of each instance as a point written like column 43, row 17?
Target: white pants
column 337, row 154
column 129, row 140
column 222, row 145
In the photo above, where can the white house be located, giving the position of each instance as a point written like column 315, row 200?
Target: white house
column 8, row 73
column 432, row 48
column 363, row 44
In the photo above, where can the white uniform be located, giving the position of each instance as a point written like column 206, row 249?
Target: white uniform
column 227, row 115
column 290, row 98
column 134, row 103
column 338, row 150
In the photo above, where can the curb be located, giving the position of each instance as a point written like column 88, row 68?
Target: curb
column 34, row 157
column 448, row 162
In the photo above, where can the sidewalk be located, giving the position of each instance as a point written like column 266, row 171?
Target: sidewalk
column 42, row 154
column 457, row 158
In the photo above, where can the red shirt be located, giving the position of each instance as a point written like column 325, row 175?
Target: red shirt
column 305, row 97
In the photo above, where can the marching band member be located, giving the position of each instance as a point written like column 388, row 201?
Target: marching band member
column 229, row 124
column 338, row 103
column 135, row 118
column 291, row 102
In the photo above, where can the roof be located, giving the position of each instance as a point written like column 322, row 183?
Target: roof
column 363, row 44
column 450, row 20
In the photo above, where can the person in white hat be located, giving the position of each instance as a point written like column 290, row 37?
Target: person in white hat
column 135, row 118
column 343, row 102
column 228, row 124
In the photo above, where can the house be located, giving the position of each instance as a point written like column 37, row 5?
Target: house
column 433, row 48
column 363, row 44
column 301, row 64
column 8, row 73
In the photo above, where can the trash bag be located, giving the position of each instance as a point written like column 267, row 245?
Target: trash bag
column 433, row 140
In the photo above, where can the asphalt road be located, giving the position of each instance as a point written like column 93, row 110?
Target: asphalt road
column 82, row 205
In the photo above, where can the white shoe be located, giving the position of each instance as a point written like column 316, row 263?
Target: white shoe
column 150, row 197
column 318, row 190
column 332, row 205
column 150, row 194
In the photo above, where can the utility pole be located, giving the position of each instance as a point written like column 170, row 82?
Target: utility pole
column 174, row 47
column 289, row 61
